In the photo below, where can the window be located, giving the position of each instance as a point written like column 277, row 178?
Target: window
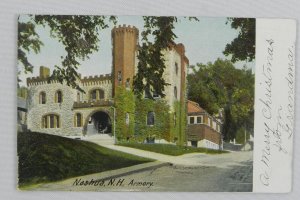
column 176, row 68
column 119, row 77
column 150, row 118
column 50, row 121
column 78, row 97
column 127, row 118
column 78, row 120
column 194, row 143
column 44, row 122
column 199, row 119
column 42, row 98
column 96, row 94
column 175, row 92
column 147, row 92
column 192, row 120
column 155, row 94
column 101, row 94
column 58, row 96
column 93, row 95
column 214, row 124
column 208, row 121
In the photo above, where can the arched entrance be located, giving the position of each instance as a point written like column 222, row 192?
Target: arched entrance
column 99, row 123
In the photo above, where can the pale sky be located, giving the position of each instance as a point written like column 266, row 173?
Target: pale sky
column 204, row 42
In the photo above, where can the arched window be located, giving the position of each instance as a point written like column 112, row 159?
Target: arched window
column 51, row 121
column 96, row 94
column 101, row 94
column 42, row 98
column 147, row 92
column 78, row 97
column 58, row 96
column 78, row 120
column 150, row 118
column 127, row 118
column 175, row 92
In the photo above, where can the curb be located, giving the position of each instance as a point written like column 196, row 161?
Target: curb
column 146, row 168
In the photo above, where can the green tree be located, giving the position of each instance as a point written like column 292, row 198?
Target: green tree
column 158, row 35
column 243, row 46
column 220, row 86
column 80, row 37
column 78, row 34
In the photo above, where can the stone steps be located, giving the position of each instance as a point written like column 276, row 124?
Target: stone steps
column 101, row 139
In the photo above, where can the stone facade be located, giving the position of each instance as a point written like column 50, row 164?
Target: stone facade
column 76, row 113
column 65, row 110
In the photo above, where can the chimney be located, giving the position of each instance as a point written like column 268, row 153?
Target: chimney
column 44, row 72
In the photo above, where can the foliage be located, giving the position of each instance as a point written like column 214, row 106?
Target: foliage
column 79, row 34
column 125, row 103
column 22, row 92
column 243, row 46
column 240, row 135
column 169, row 149
column 161, row 127
column 28, row 40
column 44, row 158
column 164, row 126
column 178, row 123
column 220, row 86
column 151, row 64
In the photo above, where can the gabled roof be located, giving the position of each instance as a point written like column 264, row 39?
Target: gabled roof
column 194, row 107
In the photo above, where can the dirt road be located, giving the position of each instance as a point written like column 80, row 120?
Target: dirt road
column 231, row 172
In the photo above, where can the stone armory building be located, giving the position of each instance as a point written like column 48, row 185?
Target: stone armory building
column 58, row 109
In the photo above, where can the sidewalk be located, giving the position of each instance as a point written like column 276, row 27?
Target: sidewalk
column 192, row 159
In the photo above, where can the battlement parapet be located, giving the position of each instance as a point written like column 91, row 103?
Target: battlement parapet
column 125, row 29
column 39, row 81
column 96, row 79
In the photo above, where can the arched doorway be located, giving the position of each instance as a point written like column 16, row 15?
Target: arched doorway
column 99, row 123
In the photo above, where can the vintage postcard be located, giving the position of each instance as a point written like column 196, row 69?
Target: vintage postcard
column 149, row 103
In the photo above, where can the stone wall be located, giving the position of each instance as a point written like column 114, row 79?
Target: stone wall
column 171, row 57
column 64, row 109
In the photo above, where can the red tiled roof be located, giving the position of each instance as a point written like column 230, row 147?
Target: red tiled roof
column 194, row 107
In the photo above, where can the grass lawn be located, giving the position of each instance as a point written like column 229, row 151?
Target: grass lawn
column 46, row 158
column 169, row 149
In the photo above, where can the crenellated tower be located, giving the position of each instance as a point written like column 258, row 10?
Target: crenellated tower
column 124, row 48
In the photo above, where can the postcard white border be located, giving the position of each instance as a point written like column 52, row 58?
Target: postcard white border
column 214, row 8
column 274, row 105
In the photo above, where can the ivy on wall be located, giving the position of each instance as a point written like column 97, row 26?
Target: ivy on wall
column 170, row 126
column 183, row 125
column 161, row 127
column 178, row 124
column 125, row 103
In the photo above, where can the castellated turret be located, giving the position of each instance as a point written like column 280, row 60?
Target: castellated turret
column 124, row 48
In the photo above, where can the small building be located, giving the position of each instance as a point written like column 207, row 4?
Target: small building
column 204, row 130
